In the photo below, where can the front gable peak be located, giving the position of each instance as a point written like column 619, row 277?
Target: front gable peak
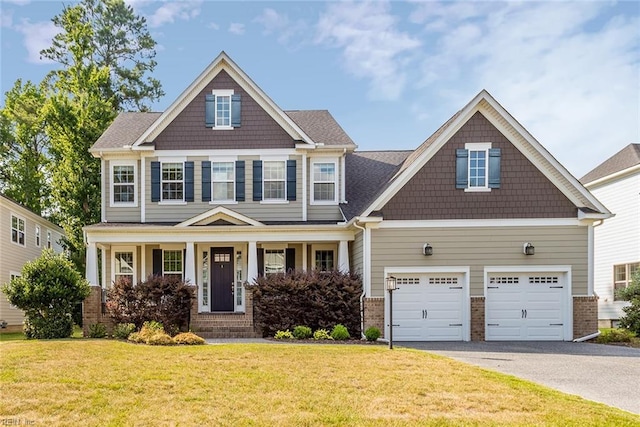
column 220, row 216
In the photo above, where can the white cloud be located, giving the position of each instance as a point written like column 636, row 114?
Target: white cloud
column 373, row 47
column 169, row 12
column 37, row 36
column 280, row 24
column 569, row 72
column 6, row 18
column 236, row 28
column 213, row 26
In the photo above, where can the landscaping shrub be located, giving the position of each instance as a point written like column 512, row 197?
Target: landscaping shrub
column 372, row 333
column 136, row 337
column 152, row 333
column 313, row 298
column 160, row 338
column 631, row 318
column 97, row 330
column 48, row 292
column 163, row 299
column 340, row 333
column 614, row 335
column 322, row 334
column 122, row 330
column 284, row 335
column 302, row 332
column 188, row 338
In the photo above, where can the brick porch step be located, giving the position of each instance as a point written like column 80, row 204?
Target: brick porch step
column 228, row 332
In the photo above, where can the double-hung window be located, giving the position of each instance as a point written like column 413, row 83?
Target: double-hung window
column 172, row 263
column 124, row 267
column 172, row 181
column 223, row 181
column 222, row 109
column 274, row 180
column 324, row 260
column 37, row 235
column 123, row 184
column 17, row 230
column 622, row 276
column 324, row 182
column 274, row 261
column 478, row 167
column 48, row 239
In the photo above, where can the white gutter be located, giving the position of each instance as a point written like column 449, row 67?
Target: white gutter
column 364, row 288
column 587, row 337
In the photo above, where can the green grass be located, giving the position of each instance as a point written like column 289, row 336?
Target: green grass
column 105, row 382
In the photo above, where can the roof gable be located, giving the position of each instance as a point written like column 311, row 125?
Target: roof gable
column 217, row 216
column 625, row 159
column 514, row 132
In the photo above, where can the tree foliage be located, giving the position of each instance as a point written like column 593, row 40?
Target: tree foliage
column 631, row 318
column 119, row 40
column 47, row 292
column 24, row 147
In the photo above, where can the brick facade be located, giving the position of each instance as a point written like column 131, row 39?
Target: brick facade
column 374, row 313
column 225, row 325
column 92, row 311
column 585, row 316
column 477, row 318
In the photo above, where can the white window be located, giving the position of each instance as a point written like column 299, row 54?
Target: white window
column 48, row 239
column 123, row 184
column 324, row 260
column 223, row 181
column 37, row 235
column 477, row 169
column 172, row 181
column 274, row 261
column 274, row 180
column 325, row 188
column 14, row 275
column 623, row 276
column 124, row 264
column 223, row 109
column 172, row 263
column 17, row 230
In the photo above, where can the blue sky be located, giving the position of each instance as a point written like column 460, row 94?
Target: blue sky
column 392, row 72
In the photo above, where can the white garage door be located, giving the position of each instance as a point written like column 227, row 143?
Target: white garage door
column 525, row 307
column 428, row 307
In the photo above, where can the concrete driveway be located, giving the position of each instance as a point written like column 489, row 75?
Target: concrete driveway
column 603, row 373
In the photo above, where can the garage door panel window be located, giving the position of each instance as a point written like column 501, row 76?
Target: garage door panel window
column 551, row 280
column 504, row 280
column 443, row 280
column 408, row 281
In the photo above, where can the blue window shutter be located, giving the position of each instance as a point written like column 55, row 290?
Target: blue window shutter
column 188, row 181
column 289, row 259
column 206, row 181
column 291, row 179
column 494, row 168
column 209, row 110
column 236, row 111
column 462, row 168
column 157, row 263
column 260, row 262
column 240, row 181
column 155, row 181
column 257, row 180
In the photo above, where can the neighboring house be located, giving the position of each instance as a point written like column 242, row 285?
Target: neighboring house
column 25, row 235
column 616, row 182
column 225, row 186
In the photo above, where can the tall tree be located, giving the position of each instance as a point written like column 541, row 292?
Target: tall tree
column 120, row 41
column 24, row 147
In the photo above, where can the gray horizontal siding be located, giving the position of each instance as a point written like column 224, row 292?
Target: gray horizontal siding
column 119, row 214
column 478, row 248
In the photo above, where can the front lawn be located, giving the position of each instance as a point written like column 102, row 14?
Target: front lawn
column 106, row 382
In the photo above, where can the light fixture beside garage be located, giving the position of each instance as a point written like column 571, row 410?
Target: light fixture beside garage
column 427, row 250
column 529, row 249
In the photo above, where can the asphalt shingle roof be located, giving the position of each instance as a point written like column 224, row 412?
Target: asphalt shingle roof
column 320, row 126
column 125, row 130
column 627, row 157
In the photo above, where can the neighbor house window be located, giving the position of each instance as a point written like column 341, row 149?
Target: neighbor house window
column 123, row 184
column 48, row 239
column 172, row 181
column 223, row 181
column 37, row 235
column 274, row 261
column 622, row 276
column 324, row 182
column 124, row 267
column 172, row 263
column 324, row 260
column 274, row 180
column 478, row 167
column 17, row 230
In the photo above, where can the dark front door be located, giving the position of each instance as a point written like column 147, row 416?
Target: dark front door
column 222, row 279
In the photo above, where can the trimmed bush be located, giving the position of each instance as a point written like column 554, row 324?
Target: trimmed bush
column 631, row 318
column 97, row 330
column 162, row 299
column 372, row 333
column 48, row 292
column 340, row 333
column 188, row 338
column 313, row 298
column 322, row 334
column 122, row 330
column 160, row 338
column 302, row 332
column 614, row 335
column 283, row 335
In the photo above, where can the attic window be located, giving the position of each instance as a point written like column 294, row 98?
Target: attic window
column 222, row 109
column 478, row 167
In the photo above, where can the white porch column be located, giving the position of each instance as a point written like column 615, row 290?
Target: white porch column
column 252, row 262
column 143, row 262
column 343, row 256
column 92, row 264
column 304, row 257
column 190, row 264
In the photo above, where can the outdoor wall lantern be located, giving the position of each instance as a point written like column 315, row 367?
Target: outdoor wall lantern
column 529, row 249
column 392, row 285
column 427, row 250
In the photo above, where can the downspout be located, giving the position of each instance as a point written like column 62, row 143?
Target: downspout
column 587, row 337
column 364, row 288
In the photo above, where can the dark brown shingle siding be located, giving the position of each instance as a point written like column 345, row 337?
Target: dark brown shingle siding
column 525, row 192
